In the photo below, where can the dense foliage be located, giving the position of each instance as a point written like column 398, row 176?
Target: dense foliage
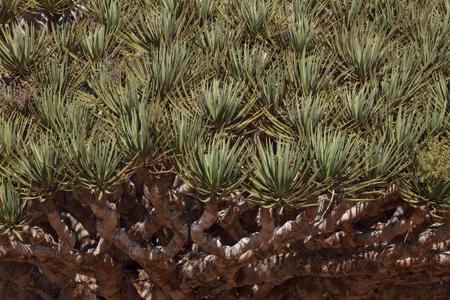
column 163, row 113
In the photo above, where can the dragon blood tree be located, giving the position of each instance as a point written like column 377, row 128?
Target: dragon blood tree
column 240, row 149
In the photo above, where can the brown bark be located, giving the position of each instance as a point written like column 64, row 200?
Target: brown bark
column 66, row 236
column 61, row 268
column 282, row 268
column 392, row 229
column 435, row 235
column 156, row 261
column 229, row 219
column 332, row 243
column 143, row 230
column 108, row 220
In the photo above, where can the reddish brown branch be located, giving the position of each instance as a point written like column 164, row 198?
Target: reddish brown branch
column 141, row 231
column 106, row 213
column 288, row 266
column 434, row 235
column 65, row 235
column 392, row 229
column 229, row 219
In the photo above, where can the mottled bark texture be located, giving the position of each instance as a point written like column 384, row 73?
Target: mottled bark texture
column 151, row 240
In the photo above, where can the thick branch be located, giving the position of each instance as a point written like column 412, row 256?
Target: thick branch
column 198, row 230
column 340, row 213
column 289, row 266
column 353, row 215
column 287, row 231
column 159, row 195
column 154, row 261
column 309, row 223
column 128, row 206
column 62, row 268
column 142, row 255
column 367, row 208
column 106, row 213
column 141, row 231
column 214, row 246
column 65, row 235
column 225, row 260
column 179, row 229
column 389, row 231
column 37, row 236
column 229, row 218
column 82, row 234
column 393, row 229
column 434, row 235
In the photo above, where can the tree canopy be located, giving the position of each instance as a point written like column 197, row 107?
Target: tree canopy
column 159, row 121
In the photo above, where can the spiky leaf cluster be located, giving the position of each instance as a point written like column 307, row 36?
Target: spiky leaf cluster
column 281, row 100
